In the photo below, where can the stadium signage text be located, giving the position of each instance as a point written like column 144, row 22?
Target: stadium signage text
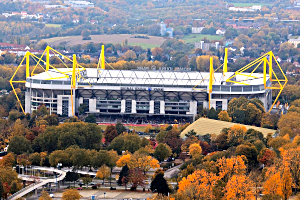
column 142, row 88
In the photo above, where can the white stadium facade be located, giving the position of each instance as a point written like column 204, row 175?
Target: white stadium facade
column 134, row 93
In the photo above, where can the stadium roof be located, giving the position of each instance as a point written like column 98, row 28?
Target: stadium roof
column 134, row 77
column 203, row 126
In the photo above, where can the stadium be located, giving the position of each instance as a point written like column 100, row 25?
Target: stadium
column 150, row 94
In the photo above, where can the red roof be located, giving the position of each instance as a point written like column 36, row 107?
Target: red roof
column 12, row 45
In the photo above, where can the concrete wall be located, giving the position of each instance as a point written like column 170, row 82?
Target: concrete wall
column 193, row 108
column 92, row 105
column 27, row 102
column 162, row 107
column 123, row 106
column 151, row 107
column 133, row 106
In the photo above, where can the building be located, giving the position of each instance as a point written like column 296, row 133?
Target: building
column 80, row 4
column 197, row 29
column 206, row 46
column 220, row 32
column 253, row 8
column 165, row 31
column 295, row 42
column 132, row 93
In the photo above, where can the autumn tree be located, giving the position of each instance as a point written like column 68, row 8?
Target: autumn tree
column 286, row 182
column 266, row 157
column 231, row 166
column 239, row 187
column 110, row 133
column 198, row 185
column 103, row 172
column 136, row 178
column 71, row 194
column 203, row 62
column 45, row 196
column 7, row 160
column 195, row 150
column 223, row 116
column 272, row 186
column 236, row 134
column 290, row 123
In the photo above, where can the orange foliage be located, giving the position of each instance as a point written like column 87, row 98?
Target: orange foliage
column 239, row 187
column 198, row 185
column 231, row 166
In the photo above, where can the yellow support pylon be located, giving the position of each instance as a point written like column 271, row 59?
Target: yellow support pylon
column 211, row 80
column 225, row 62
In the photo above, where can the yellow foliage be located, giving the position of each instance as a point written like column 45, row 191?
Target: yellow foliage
column 195, row 150
column 71, row 194
column 124, row 160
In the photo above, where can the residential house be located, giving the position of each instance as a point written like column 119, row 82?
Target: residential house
column 220, row 32
column 197, row 29
column 206, row 46
column 295, row 42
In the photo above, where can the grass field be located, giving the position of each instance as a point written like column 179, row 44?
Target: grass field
column 73, row 40
column 53, row 25
column 137, row 128
column 248, row 4
column 144, row 46
column 198, row 37
column 204, row 125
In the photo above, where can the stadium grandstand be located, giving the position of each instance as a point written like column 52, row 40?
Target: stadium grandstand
column 154, row 95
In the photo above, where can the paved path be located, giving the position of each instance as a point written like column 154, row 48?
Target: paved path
column 39, row 184
column 171, row 172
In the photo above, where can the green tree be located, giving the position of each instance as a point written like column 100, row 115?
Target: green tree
column 127, row 141
column 212, row 114
column 19, row 145
column 160, row 185
column 72, row 177
column 120, row 128
column 162, row 151
column 90, row 118
column 86, row 180
column 191, row 133
column 123, row 180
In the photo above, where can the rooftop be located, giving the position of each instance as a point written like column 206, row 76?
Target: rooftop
column 151, row 77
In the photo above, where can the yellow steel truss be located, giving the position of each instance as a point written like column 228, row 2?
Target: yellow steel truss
column 76, row 69
column 266, row 61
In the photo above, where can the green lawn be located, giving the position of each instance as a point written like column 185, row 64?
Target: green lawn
column 248, row 4
column 198, row 37
column 144, row 46
column 137, row 128
column 53, row 25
